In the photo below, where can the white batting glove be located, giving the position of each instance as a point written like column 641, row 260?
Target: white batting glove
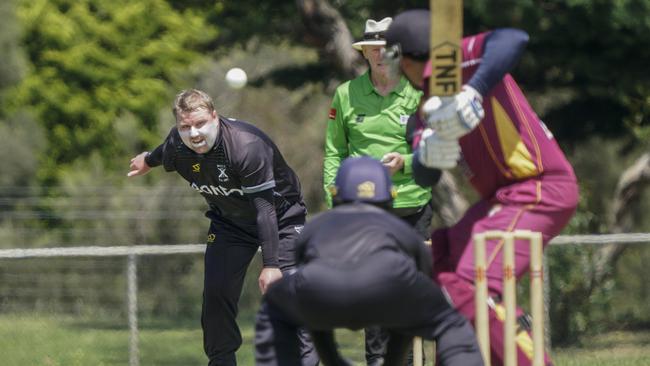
column 435, row 152
column 454, row 117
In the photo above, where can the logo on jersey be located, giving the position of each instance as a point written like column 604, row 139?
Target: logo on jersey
column 496, row 208
column 298, row 228
column 211, row 238
column 360, row 118
column 216, row 190
column 196, row 168
column 223, row 177
column 403, row 119
column 366, row 190
column 332, row 114
column 549, row 134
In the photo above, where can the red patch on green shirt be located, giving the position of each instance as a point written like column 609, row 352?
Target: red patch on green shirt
column 332, row 114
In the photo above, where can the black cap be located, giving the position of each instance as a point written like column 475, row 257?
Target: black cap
column 362, row 179
column 410, row 29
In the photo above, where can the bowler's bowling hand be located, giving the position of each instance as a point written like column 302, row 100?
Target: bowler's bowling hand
column 138, row 165
column 267, row 277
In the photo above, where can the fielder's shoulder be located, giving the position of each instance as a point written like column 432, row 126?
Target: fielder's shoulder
column 242, row 127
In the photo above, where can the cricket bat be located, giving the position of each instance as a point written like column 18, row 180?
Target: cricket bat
column 445, row 53
column 445, row 47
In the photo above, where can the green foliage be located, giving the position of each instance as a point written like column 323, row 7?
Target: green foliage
column 278, row 21
column 91, row 61
column 576, row 309
column 598, row 164
column 631, row 269
column 597, row 48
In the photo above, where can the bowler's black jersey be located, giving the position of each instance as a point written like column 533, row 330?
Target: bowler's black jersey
column 348, row 234
column 243, row 161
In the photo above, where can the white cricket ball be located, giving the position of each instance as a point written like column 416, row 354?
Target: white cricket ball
column 236, row 78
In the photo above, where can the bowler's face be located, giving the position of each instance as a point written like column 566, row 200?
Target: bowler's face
column 198, row 129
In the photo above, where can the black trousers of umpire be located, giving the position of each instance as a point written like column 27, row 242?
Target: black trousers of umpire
column 229, row 251
column 384, row 290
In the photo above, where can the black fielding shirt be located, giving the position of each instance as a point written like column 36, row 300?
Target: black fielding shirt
column 243, row 165
column 348, row 234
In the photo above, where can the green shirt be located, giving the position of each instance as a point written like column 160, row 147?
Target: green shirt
column 363, row 122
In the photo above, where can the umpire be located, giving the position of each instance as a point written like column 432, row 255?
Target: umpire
column 360, row 266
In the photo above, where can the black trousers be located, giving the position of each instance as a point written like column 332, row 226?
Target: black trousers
column 376, row 338
column 420, row 219
column 385, row 290
column 229, row 251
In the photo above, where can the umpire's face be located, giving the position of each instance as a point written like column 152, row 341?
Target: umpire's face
column 198, row 129
column 374, row 56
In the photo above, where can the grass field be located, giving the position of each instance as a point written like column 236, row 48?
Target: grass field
column 48, row 341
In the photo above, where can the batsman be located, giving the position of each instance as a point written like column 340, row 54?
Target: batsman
column 488, row 129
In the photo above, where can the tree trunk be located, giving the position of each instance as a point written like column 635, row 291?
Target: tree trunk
column 327, row 31
column 629, row 190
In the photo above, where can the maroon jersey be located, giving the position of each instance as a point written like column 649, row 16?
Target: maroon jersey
column 511, row 143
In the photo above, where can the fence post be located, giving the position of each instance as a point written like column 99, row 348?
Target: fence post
column 132, row 299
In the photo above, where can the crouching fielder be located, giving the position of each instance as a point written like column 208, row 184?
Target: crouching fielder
column 360, row 266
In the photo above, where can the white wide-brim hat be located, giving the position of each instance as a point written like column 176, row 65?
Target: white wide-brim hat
column 373, row 35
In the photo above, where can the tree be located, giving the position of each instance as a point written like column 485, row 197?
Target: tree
column 588, row 55
column 327, row 30
column 91, row 61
